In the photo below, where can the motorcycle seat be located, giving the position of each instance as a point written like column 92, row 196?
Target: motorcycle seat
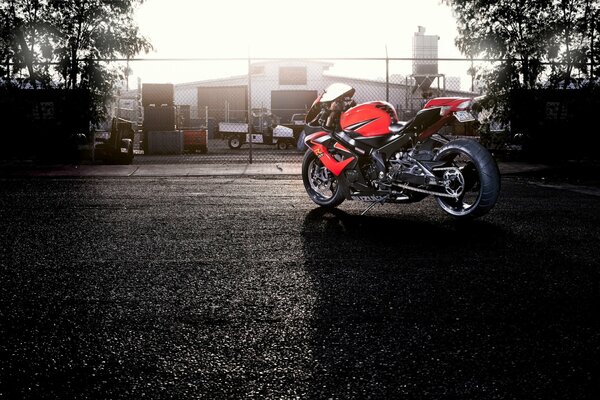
column 397, row 127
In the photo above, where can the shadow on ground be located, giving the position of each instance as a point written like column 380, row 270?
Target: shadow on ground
column 411, row 308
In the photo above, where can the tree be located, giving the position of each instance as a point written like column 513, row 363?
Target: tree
column 551, row 40
column 67, row 43
column 576, row 37
column 21, row 21
column 514, row 32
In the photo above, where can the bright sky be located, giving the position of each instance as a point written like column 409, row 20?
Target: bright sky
column 279, row 28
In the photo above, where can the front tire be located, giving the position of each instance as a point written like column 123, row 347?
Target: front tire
column 475, row 179
column 322, row 186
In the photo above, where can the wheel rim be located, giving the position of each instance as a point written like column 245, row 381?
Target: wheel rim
column 235, row 143
column 462, row 182
column 322, row 182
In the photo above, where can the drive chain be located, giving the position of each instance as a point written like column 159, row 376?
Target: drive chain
column 430, row 192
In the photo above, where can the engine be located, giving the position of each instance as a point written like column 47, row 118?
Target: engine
column 404, row 167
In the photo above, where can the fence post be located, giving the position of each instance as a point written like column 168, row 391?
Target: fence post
column 206, row 121
column 249, row 109
column 387, row 75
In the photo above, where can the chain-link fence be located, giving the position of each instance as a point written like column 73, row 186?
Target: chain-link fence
column 251, row 110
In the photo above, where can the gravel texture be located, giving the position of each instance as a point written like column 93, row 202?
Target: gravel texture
column 187, row 288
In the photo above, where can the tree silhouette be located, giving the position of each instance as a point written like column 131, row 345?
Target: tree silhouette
column 550, row 43
column 65, row 44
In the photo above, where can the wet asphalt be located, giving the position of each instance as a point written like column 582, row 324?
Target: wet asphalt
column 225, row 287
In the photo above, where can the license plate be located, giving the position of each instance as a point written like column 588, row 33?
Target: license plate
column 464, row 116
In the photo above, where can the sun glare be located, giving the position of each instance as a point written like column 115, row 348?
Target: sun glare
column 191, row 29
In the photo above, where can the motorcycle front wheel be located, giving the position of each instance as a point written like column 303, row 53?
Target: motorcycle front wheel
column 322, row 186
column 471, row 175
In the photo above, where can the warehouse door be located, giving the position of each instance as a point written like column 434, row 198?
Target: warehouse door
column 285, row 103
column 225, row 103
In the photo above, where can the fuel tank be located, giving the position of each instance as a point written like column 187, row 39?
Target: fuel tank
column 369, row 119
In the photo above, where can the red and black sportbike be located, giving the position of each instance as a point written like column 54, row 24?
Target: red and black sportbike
column 362, row 152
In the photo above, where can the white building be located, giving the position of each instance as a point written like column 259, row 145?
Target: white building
column 284, row 88
column 287, row 87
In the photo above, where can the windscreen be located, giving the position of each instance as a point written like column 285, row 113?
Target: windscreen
column 336, row 91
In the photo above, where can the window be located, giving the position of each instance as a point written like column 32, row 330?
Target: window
column 292, row 75
column 257, row 69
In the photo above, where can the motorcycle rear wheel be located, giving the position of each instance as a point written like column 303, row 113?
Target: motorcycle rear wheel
column 322, row 186
column 478, row 182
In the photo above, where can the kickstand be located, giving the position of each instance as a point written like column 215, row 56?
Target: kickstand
column 373, row 205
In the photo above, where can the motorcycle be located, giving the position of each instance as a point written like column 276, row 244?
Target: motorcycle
column 363, row 152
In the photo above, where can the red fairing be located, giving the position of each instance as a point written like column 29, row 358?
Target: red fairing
column 329, row 162
column 342, row 148
column 314, row 136
column 455, row 103
column 369, row 119
column 335, row 166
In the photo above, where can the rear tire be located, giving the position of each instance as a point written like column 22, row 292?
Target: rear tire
column 322, row 186
column 478, row 181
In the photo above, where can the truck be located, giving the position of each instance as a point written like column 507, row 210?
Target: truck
column 297, row 119
column 236, row 134
column 264, row 130
column 115, row 146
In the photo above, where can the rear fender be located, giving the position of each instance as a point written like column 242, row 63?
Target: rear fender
column 318, row 143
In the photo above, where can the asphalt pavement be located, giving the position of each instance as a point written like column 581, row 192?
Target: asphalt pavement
column 167, row 167
column 147, row 285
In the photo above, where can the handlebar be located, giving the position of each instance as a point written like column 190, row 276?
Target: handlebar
column 329, row 116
